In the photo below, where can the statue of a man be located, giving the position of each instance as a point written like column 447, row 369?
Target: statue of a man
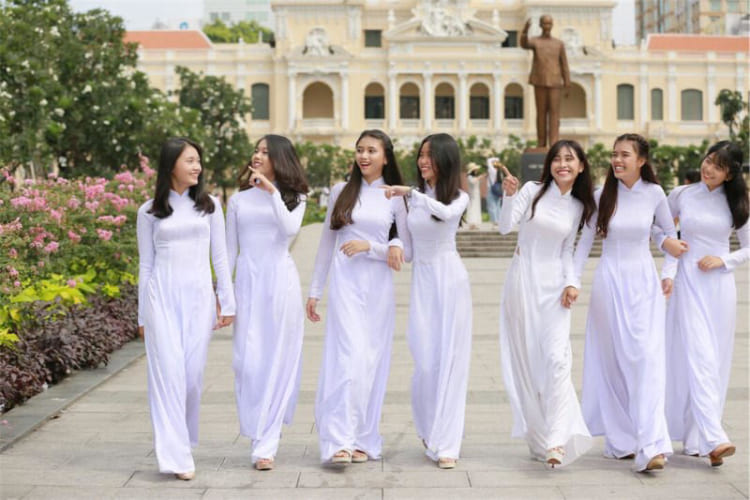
column 549, row 73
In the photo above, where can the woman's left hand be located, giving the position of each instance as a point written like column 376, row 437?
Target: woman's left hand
column 666, row 287
column 710, row 262
column 353, row 247
column 261, row 181
column 569, row 296
column 391, row 191
column 224, row 321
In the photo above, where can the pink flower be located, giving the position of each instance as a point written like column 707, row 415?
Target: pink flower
column 73, row 203
column 52, row 247
column 104, row 234
column 16, row 283
column 13, row 272
column 75, row 238
column 13, row 253
column 56, row 214
column 125, row 177
column 92, row 205
column 40, row 263
column 72, row 283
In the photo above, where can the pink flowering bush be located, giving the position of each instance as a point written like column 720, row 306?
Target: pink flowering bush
column 67, row 250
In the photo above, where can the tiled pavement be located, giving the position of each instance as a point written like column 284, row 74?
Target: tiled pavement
column 100, row 446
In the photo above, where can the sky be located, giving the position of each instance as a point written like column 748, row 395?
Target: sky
column 141, row 14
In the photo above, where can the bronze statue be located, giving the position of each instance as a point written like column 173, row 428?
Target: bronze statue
column 549, row 73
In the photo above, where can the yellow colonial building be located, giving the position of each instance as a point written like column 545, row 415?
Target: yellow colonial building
column 421, row 66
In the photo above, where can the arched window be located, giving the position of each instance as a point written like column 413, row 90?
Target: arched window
column 479, row 102
column 573, row 102
column 445, row 102
column 409, row 102
column 625, row 99
column 692, row 104
column 374, row 102
column 317, row 101
column 514, row 102
column 657, row 104
column 259, row 97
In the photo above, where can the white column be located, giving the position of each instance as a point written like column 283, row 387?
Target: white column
column 498, row 102
column 672, row 93
column 344, row 101
column 598, row 100
column 709, row 99
column 427, row 105
column 462, row 99
column 392, row 99
column 643, row 91
column 291, row 98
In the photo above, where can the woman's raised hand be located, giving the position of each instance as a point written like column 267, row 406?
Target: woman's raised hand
column 391, row 191
column 259, row 180
column 510, row 182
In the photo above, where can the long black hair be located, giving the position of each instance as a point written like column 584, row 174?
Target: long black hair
column 608, row 199
column 445, row 157
column 583, row 188
column 342, row 210
column 170, row 152
column 288, row 172
column 728, row 157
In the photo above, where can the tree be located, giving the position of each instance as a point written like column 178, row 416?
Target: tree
column 598, row 157
column 74, row 95
column 732, row 105
column 247, row 31
column 324, row 164
column 221, row 110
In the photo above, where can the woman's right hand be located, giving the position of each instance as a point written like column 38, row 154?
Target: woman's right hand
column 675, row 247
column 141, row 333
column 312, row 304
column 510, row 182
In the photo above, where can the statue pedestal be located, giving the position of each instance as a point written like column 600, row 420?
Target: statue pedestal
column 532, row 164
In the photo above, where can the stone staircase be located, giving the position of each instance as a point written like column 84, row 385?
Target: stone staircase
column 486, row 243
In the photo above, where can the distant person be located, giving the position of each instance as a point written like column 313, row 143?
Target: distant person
column 180, row 237
column 494, row 189
column 262, row 220
column 474, row 177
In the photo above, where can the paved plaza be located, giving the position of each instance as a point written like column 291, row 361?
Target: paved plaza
column 101, row 447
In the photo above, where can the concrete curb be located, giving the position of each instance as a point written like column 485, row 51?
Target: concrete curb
column 24, row 419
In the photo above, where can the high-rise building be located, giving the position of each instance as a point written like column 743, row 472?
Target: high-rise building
column 234, row 11
column 708, row 17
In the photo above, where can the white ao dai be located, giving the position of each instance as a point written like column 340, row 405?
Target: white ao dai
column 269, row 326
column 177, row 308
column 534, row 325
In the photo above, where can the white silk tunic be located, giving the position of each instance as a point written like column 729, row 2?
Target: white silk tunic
column 534, row 325
column 177, row 308
column 270, row 319
column 440, row 322
column 623, row 368
column 359, row 323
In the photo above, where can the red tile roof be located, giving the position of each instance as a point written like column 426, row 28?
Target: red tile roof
column 169, row 39
column 698, row 43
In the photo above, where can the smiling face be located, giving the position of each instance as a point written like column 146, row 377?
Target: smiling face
column 713, row 175
column 186, row 169
column 565, row 168
column 370, row 158
column 427, row 170
column 262, row 162
column 626, row 163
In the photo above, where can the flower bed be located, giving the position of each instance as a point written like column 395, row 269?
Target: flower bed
column 68, row 267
